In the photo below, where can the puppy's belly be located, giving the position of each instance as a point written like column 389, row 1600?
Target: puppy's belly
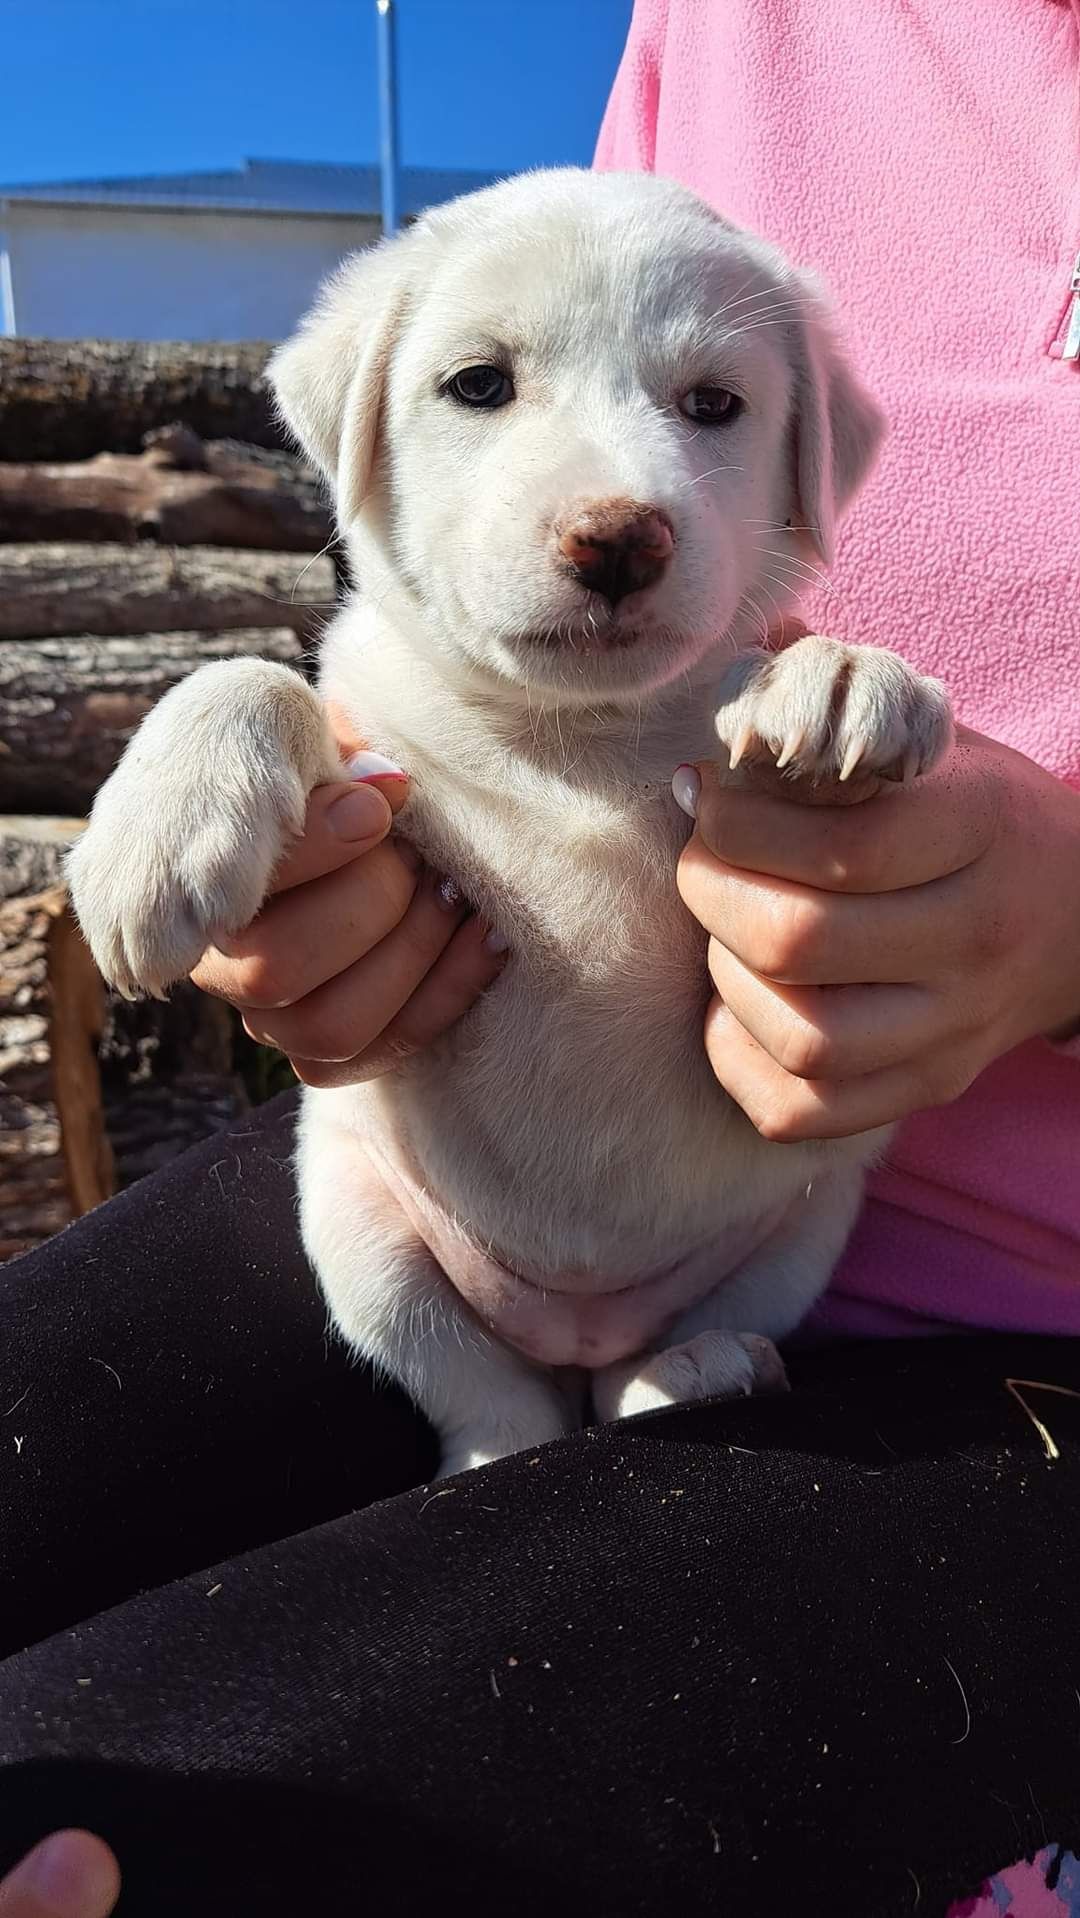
column 583, row 1318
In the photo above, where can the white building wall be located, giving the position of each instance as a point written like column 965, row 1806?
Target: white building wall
column 101, row 272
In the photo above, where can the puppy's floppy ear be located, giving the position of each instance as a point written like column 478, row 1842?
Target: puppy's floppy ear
column 328, row 379
column 838, row 427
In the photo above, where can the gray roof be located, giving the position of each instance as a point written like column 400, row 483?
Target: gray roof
column 261, row 186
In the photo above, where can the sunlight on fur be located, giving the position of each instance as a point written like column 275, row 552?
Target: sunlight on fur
column 587, row 442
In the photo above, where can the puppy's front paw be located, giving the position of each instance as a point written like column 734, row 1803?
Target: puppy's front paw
column 184, row 836
column 823, row 710
column 714, row 1365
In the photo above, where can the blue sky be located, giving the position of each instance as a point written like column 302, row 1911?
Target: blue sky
column 100, row 87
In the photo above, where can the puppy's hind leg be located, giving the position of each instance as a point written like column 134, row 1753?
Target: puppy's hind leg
column 723, row 1347
column 393, row 1305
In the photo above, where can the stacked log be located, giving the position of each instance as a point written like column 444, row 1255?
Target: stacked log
column 49, row 589
column 149, row 520
column 177, row 490
column 69, row 706
column 65, row 401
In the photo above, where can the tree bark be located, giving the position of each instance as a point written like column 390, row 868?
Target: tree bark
column 32, row 853
column 69, row 706
column 55, row 1158
column 209, row 494
column 35, row 1196
column 64, row 400
column 94, row 1092
column 48, row 590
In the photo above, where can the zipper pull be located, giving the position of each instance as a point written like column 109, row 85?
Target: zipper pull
column 1071, row 348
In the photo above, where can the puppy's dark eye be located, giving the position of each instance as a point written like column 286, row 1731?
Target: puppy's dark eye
column 712, row 405
column 480, row 386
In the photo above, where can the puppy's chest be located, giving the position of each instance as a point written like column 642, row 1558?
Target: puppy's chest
column 584, row 1059
column 582, row 886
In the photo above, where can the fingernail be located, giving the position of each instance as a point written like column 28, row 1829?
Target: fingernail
column 67, row 1875
column 448, row 893
column 686, row 787
column 496, row 943
column 357, row 815
column 373, row 766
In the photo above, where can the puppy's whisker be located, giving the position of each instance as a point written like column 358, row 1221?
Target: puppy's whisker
column 792, row 559
column 808, row 578
column 754, row 325
column 748, row 300
column 811, row 574
column 776, row 297
column 735, row 321
column 307, row 605
column 750, row 311
column 797, row 589
column 772, row 602
column 764, row 292
column 752, row 607
column 794, row 591
column 744, row 299
column 778, row 526
column 741, row 288
column 699, row 478
column 334, row 540
column 555, row 713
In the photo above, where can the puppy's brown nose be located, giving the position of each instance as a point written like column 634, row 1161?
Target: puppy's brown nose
column 616, row 546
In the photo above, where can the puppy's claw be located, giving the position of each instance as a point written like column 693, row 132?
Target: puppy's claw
column 899, row 771
column 792, row 746
column 739, row 747
column 854, row 754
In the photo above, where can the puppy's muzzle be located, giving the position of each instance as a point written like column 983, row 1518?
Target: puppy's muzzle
column 615, row 547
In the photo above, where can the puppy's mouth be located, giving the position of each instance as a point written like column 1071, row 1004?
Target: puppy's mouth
column 592, row 630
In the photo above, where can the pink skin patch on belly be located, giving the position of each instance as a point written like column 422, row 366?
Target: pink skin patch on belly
column 573, row 1318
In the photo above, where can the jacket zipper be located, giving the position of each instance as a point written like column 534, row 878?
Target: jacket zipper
column 1070, row 345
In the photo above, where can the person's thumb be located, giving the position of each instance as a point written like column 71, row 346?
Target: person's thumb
column 373, row 769
column 71, row 1874
column 707, row 791
column 361, row 763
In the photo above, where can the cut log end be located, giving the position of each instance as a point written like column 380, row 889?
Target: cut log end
column 69, row 706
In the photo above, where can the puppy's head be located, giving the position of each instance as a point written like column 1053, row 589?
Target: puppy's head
column 587, row 427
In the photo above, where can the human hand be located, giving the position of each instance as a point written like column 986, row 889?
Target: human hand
column 360, row 957
column 71, row 1874
column 871, row 959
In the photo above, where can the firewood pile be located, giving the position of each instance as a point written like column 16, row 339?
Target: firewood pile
column 150, row 519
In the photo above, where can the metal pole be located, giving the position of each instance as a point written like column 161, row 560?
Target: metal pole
column 7, row 283
column 388, row 122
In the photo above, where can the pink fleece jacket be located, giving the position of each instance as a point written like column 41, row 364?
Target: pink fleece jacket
column 924, row 156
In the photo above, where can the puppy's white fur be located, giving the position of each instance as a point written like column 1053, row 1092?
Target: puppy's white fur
column 569, row 1129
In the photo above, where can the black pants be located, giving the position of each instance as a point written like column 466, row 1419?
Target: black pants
column 818, row 1654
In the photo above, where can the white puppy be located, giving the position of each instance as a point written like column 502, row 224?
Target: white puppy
column 580, row 432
